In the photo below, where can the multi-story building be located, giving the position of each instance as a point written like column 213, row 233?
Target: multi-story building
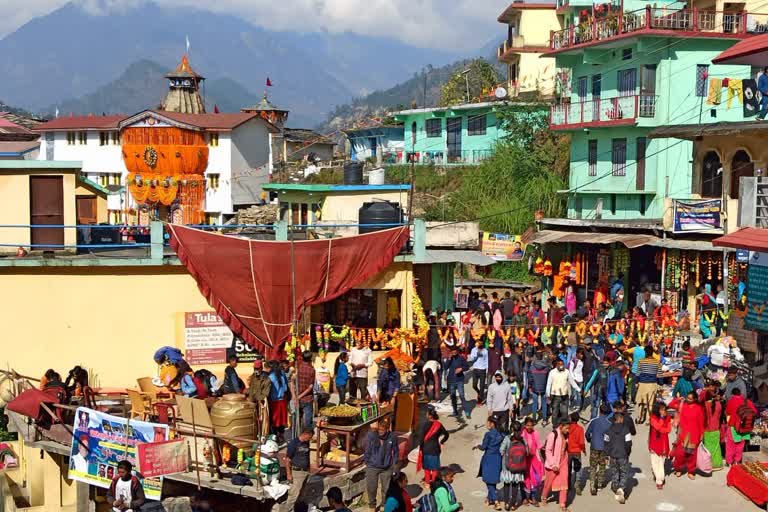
column 529, row 24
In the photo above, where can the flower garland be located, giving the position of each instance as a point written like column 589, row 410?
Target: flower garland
column 581, row 328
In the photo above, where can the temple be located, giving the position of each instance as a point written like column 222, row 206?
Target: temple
column 184, row 90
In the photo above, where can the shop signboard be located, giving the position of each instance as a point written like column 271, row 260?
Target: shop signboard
column 100, row 441
column 163, row 458
column 502, row 247
column 757, row 292
column 742, row 256
column 206, row 338
column 697, row 216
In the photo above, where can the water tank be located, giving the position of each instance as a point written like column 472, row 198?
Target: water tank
column 379, row 212
column 376, row 177
column 233, row 415
column 353, row 173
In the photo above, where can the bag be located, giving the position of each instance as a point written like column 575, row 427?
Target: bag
column 746, row 416
column 704, row 460
column 427, row 503
column 517, row 456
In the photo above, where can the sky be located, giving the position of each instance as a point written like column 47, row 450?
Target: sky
column 452, row 24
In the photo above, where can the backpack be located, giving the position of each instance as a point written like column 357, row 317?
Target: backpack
column 517, row 456
column 206, row 378
column 427, row 503
column 746, row 416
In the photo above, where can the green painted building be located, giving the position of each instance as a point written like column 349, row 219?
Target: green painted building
column 462, row 134
column 622, row 75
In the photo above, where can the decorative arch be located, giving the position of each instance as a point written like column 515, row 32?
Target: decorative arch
column 711, row 175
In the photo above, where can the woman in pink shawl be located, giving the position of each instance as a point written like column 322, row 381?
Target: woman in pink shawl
column 535, row 473
column 556, row 465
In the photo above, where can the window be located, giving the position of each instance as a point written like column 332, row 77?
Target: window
column 619, row 157
column 627, row 79
column 643, row 206
column 596, row 86
column 613, row 204
column 581, row 88
column 626, row 54
column 115, row 138
column 109, row 178
column 82, row 138
column 434, row 127
column 414, row 129
column 592, row 157
column 103, row 138
column 640, row 145
column 71, row 138
column 476, row 125
column 213, row 139
column 711, row 176
column 213, row 181
column 702, row 71
column 741, row 166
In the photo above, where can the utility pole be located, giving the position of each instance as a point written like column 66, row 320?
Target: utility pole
column 425, row 88
column 466, row 80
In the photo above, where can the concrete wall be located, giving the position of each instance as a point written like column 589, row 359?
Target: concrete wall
column 220, row 162
column 15, row 207
column 342, row 208
column 251, row 150
column 458, row 235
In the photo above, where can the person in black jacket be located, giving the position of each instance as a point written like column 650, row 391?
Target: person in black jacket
column 431, row 438
column 618, row 440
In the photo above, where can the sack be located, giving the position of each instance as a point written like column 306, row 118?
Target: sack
column 746, row 419
column 427, row 503
column 413, row 455
column 704, row 460
column 517, row 456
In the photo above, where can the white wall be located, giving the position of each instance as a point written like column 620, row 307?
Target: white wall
column 251, row 150
column 220, row 162
column 96, row 159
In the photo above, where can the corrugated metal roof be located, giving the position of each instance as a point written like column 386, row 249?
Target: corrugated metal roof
column 752, row 51
column 455, row 256
column 630, row 240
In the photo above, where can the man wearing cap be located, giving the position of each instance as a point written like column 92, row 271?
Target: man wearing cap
column 733, row 381
column 258, row 391
column 79, row 461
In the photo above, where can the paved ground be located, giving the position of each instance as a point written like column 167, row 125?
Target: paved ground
column 702, row 494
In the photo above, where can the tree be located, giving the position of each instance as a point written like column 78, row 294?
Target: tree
column 479, row 75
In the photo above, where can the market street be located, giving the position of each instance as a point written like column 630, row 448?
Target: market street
column 678, row 494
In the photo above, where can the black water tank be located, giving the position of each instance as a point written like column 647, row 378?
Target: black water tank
column 379, row 212
column 353, row 173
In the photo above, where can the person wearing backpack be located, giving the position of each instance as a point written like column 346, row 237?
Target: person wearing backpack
column 444, row 498
column 741, row 413
column 514, row 453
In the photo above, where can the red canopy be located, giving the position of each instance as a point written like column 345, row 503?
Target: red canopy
column 28, row 402
column 753, row 239
column 752, row 51
column 248, row 282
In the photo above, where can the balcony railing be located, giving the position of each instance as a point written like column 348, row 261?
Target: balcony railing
column 516, row 44
column 457, row 157
column 621, row 110
column 690, row 21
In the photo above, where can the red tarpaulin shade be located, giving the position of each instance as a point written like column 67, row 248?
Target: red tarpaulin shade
column 753, row 239
column 752, row 51
column 28, row 402
column 248, row 282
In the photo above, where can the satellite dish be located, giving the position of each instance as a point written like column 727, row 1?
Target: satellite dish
column 501, row 93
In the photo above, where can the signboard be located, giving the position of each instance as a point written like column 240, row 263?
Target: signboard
column 163, row 458
column 245, row 353
column 742, row 256
column 101, row 440
column 697, row 216
column 502, row 247
column 206, row 338
column 757, row 292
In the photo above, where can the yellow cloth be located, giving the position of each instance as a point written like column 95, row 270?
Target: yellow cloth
column 715, row 91
column 734, row 89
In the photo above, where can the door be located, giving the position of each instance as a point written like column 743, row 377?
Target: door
column 373, row 146
column 648, row 90
column 627, row 82
column 453, row 127
column 597, row 87
column 46, row 205
column 85, row 208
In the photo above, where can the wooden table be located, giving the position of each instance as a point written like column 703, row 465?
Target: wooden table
column 347, row 431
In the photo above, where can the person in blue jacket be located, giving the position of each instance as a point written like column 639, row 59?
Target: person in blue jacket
column 342, row 377
column 616, row 387
column 762, row 86
column 490, row 463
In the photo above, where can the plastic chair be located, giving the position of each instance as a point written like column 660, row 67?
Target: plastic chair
column 165, row 414
column 141, row 404
column 148, row 387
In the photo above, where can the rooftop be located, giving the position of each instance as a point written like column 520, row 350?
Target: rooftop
column 89, row 122
column 506, row 16
column 692, row 132
column 465, row 106
column 9, row 165
column 302, row 187
column 17, row 148
column 305, row 135
column 264, row 105
column 184, row 70
column 26, row 122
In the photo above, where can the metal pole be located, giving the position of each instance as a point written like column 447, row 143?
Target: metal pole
column 663, row 272
column 194, row 441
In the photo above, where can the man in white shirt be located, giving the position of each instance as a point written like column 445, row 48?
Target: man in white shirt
column 360, row 360
column 79, row 461
column 125, row 493
column 432, row 375
column 558, row 391
column 576, row 378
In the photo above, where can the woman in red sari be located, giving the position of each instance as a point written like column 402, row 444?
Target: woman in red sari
column 690, row 433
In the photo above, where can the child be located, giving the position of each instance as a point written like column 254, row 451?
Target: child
column 342, row 376
column 658, row 441
column 576, row 446
column 514, row 453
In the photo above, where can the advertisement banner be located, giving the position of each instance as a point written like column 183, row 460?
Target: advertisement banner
column 206, row 338
column 163, row 458
column 101, row 440
column 697, row 216
column 502, row 247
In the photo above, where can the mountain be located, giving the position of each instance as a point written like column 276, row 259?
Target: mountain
column 77, row 52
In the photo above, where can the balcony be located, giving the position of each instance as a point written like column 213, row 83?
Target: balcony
column 609, row 112
column 661, row 22
column 516, row 44
column 450, row 157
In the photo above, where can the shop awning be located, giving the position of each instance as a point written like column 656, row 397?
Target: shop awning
column 721, row 129
column 686, row 245
column 753, row 239
column 752, row 51
column 251, row 286
column 455, row 256
column 548, row 236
